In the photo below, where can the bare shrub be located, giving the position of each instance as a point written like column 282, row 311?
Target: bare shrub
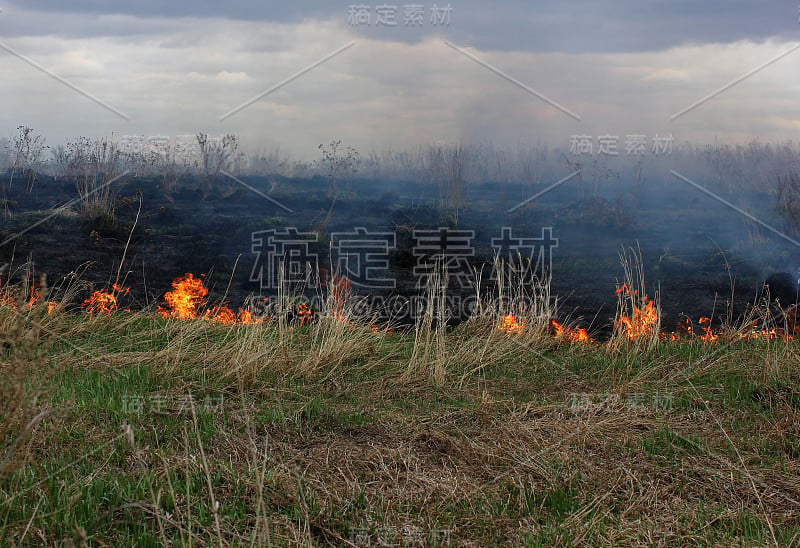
column 788, row 201
column 218, row 155
column 449, row 168
column 26, row 150
column 92, row 165
column 339, row 161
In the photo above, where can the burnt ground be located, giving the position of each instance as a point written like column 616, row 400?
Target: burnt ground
column 693, row 247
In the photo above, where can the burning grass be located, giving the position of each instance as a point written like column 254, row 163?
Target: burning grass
column 638, row 318
column 331, row 430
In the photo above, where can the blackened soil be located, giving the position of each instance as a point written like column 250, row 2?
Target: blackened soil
column 694, row 251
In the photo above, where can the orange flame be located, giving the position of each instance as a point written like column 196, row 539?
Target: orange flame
column 221, row 314
column 304, row 314
column 642, row 321
column 246, row 317
column 684, row 329
column 750, row 331
column 510, row 324
column 6, row 299
column 341, row 293
column 187, row 296
column 569, row 334
column 102, row 302
column 708, row 334
column 35, row 296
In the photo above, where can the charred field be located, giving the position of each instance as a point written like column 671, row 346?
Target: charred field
column 435, row 274
column 129, row 420
column 704, row 259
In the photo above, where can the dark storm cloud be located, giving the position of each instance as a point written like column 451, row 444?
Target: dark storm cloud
column 288, row 12
column 579, row 26
column 633, row 25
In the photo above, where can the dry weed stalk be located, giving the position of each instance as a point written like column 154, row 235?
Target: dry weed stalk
column 527, row 300
column 429, row 353
column 338, row 336
column 638, row 319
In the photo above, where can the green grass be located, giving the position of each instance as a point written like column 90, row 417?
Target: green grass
column 685, row 441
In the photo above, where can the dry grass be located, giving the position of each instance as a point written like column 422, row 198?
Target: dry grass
column 638, row 319
column 340, row 434
column 25, row 370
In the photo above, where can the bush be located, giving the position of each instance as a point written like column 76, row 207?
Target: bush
column 788, row 201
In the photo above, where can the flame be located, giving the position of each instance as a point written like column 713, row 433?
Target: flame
column 303, row 314
column 708, row 334
column 6, row 299
column 246, row 317
column 791, row 320
column 187, row 296
column 221, row 314
column 642, row 321
column 684, row 329
column 750, row 331
column 376, row 329
column 510, row 324
column 35, row 296
column 224, row 314
column 340, row 294
column 102, row 302
column 569, row 334
column 624, row 289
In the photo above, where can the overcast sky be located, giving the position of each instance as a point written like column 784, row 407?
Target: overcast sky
column 513, row 73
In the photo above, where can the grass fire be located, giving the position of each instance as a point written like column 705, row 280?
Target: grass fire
column 199, row 373
column 434, row 362
column 301, row 274
column 290, row 418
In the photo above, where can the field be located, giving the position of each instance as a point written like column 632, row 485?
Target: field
column 147, row 400
column 133, row 428
column 312, row 274
column 693, row 249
